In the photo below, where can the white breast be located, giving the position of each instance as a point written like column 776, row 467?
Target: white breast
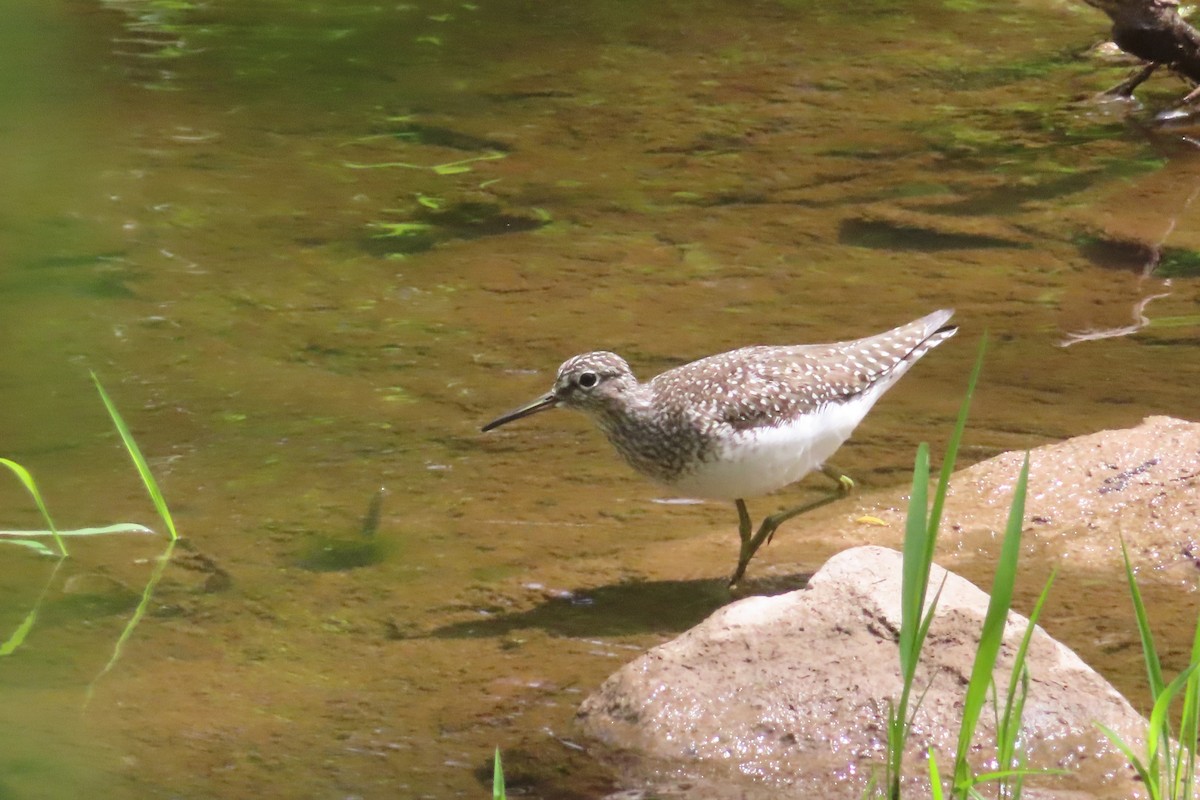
column 758, row 461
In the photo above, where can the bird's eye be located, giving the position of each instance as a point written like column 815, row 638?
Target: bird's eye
column 587, row 380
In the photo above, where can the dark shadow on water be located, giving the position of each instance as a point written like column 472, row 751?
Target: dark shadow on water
column 339, row 554
column 623, row 609
column 435, row 136
column 1115, row 254
column 881, row 235
column 425, row 228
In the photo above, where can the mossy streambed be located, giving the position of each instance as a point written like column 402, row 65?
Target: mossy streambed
column 189, row 217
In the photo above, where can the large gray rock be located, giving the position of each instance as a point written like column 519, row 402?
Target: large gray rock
column 792, row 692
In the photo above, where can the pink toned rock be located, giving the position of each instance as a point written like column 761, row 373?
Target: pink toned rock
column 790, row 693
column 1086, row 493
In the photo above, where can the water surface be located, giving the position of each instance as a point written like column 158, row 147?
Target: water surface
column 310, row 249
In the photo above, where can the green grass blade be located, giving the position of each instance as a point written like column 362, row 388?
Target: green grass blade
column 872, row 788
column 900, row 719
column 914, row 578
column 1008, row 729
column 1001, row 774
column 1148, row 779
column 960, row 425
column 31, row 486
column 1023, row 650
column 927, row 620
column 1158, row 725
column 1154, row 675
column 1149, row 653
column 935, row 778
column 498, row 778
column 1189, row 727
column 1014, row 713
column 895, row 750
column 920, row 541
column 120, row 527
column 139, row 461
column 914, row 582
column 916, row 707
column 36, row 546
column 992, row 634
column 19, row 635
column 105, row 530
column 138, row 613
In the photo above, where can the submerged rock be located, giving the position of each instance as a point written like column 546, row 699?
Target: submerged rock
column 791, row 693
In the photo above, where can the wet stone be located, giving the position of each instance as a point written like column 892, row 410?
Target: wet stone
column 791, row 693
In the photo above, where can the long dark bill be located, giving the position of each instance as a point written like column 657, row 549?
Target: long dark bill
column 547, row 400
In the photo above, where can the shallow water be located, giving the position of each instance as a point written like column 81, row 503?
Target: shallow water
column 231, row 213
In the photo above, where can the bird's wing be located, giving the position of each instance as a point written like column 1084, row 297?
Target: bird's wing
column 743, row 388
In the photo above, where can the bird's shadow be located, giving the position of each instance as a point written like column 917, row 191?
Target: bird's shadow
column 621, row 609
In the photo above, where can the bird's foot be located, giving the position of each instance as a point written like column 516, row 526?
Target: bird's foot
column 845, row 482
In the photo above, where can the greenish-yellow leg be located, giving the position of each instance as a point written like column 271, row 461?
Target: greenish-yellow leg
column 766, row 531
column 845, row 482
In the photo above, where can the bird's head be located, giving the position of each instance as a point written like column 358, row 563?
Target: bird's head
column 590, row 382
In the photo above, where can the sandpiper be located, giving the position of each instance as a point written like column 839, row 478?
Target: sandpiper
column 743, row 423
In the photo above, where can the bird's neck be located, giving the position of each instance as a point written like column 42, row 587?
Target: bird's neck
column 644, row 435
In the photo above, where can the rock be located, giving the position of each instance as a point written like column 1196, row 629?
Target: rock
column 1086, row 493
column 792, row 691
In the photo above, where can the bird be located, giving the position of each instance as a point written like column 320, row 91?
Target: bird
column 744, row 423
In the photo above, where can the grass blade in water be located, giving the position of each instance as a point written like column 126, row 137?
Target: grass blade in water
column 139, row 460
column 35, row 546
column 120, row 527
column 138, row 613
column 498, row 792
column 31, row 486
column 18, row 636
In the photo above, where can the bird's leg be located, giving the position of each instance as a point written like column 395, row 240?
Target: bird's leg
column 744, row 523
column 745, row 526
column 766, row 531
column 845, row 486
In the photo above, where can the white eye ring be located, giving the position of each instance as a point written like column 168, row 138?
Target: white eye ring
column 588, row 380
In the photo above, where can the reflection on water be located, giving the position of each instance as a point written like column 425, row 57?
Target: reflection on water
column 312, row 247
